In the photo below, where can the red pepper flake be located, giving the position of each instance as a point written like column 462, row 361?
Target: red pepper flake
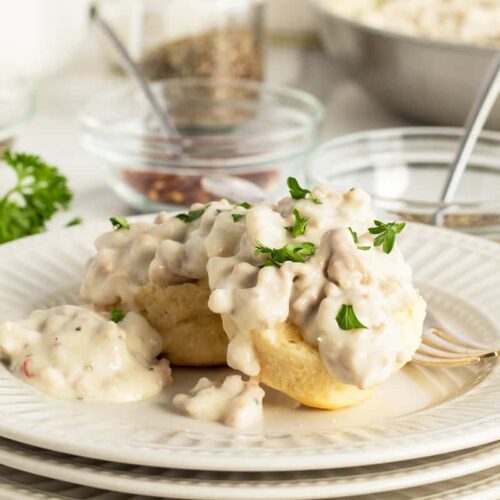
column 28, row 367
column 184, row 189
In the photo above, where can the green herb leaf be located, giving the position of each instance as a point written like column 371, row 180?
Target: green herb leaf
column 116, row 315
column 192, row 215
column 386, row 234
column 347, row 319
column 119, row 223
column 294, row 252
column 39, row 192
column 356, row 240
column 74, row 222
column 237, row 217
column 300, row 225
column 299, row 193
column 244, row 204
column 354, row 235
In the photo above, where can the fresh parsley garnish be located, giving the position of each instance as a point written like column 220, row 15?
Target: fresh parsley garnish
column 116, row 315
column 192, row 215
column 74, row 222
column 39, row 192
column 347, row 319
column 300, row 225
column 356, row 240
column 244, row 204
column 299, row 193
column 294, row 252
column 386, row 234
column 119, row 223
column 238, row 217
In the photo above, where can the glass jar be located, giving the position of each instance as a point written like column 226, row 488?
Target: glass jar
column 255, row 132
column 191, row 38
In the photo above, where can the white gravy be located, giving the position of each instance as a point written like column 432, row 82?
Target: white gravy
column 72, row 352
column 377, row 285
column 235, row 403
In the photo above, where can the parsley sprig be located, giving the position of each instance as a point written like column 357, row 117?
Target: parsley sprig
column 347, row 319
column 74, row 222
column 244, row 204
column 386, row 234
column 238, row 217
column 119, row 223
column 116, row 315
column 299, row 228
column 356, row 240
column 39, row 192
column 294, row 252
column 299, row 193
column 192, row 215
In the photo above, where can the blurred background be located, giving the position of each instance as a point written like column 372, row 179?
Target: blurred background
column 258, row 90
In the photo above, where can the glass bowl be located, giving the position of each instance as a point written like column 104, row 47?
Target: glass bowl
column 253, row 131
column 405, row 169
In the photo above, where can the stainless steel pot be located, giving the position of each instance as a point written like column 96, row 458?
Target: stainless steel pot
column 426, row 80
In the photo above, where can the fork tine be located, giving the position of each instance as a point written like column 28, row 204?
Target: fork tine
column 436, row 338
column 453, row 340
column 446, row 355
column 452, row 362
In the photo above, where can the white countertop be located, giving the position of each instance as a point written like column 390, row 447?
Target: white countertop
column 53, row 132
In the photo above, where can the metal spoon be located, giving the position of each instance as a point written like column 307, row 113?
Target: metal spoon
column 221, row 186
column 481, row 108
column 164, row 118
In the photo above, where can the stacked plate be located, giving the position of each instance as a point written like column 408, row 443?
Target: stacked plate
column 427, row 433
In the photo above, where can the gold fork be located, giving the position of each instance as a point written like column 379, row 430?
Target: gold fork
column 441, row 349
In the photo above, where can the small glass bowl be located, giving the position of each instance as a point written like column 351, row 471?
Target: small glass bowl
column 258, row 132
column 405, row 169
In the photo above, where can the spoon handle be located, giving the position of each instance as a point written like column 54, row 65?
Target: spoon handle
column 163, row 117
column 474, row 124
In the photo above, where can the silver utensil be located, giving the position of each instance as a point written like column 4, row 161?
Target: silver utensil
column 233, row 188
column 439, row 348
column 222, row 186
column 161, row 113
column 481, row 109
column 444, row 350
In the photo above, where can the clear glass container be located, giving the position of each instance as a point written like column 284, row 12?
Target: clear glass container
column 257, row 132
column 405, row 169
column 191, row 38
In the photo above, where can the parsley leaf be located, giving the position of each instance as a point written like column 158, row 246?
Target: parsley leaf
column 238, row 217
column 39, row 192
column 300, row 225
column 119, row 223
column 294, row 252
column 299, row 193
column 74, row 222
column 386, row 234
column 192, row 215
column 116, row 315
column 356, row 240
column 244, row 204
column 347, row 319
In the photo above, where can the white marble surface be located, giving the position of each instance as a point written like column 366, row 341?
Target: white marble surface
column 53, row 132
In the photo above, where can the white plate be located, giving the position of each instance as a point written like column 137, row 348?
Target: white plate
column 18, row 485
column 203, row 485
column 418, row 412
